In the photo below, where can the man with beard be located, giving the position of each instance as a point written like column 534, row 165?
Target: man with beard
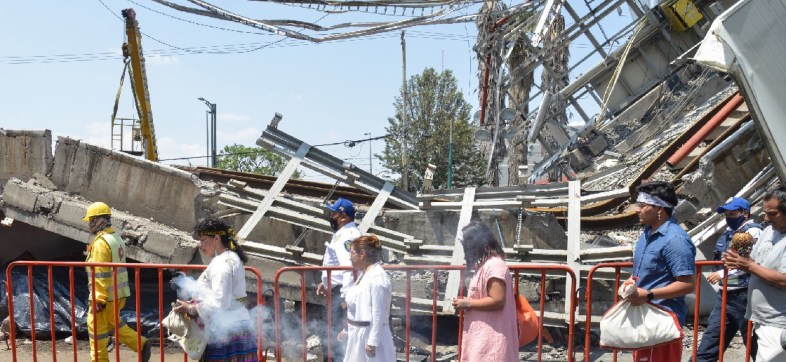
column 342, row 221
column 767, row 286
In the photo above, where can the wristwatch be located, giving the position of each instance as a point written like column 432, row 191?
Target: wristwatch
column 650, row 295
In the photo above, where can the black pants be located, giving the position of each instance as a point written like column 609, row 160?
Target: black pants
column 736, row 302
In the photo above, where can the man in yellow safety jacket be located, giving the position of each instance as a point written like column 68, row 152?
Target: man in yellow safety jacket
column 107, row 247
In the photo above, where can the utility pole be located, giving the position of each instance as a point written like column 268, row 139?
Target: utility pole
column 404, row 152
column 370, row 169
column 450, row 157
column 211, row 131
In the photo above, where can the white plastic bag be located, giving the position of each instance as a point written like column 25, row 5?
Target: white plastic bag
column 187, row 333
column 626, row 326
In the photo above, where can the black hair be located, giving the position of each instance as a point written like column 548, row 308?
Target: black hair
column 215, row 226
column 662, row 190
column 479, row 244
column 779, row 194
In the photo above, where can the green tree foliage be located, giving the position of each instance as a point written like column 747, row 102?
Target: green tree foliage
column 252, row 160
column 434, row 101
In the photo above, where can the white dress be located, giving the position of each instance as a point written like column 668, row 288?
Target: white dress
column 369, row 301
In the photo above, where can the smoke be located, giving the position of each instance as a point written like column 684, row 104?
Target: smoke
column 221, row 322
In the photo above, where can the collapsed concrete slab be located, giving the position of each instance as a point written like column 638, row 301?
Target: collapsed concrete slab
column 61, row 213
column 539, row 230
column 165, row 194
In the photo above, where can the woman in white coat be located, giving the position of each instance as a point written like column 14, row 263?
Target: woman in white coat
column 368, row 332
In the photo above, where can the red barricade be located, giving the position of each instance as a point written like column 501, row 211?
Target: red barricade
column 697, row 304
column 137, row 268
column 560, row 271
column 408, row 270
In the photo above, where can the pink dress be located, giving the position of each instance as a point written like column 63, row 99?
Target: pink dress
column 490, row 336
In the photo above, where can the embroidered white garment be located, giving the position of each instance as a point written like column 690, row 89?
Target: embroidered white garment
column 221, row 286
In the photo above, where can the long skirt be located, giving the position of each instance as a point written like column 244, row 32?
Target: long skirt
column 240, row 347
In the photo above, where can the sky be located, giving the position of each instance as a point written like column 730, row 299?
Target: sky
column 61, row 65
column 329, row 92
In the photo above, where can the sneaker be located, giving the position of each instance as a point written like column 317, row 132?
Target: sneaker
column 146, row 351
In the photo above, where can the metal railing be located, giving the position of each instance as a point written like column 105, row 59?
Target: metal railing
column 135, row 294
column 696, row 309
column 408, row 299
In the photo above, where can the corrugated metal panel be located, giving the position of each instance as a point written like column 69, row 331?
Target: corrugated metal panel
column 747, row 42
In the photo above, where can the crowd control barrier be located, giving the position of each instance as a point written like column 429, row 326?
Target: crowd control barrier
column 57, row 267
column 435, row 303
column 694, row 344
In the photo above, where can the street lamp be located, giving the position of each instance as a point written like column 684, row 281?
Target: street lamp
column 368, row 135
column 210, row 123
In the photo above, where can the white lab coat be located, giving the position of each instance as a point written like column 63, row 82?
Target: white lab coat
column 369, row 301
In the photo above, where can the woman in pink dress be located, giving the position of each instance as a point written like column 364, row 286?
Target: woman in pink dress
column 489, row 333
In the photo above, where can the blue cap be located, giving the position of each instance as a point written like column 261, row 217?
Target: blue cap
column 735, row 203
column 343, row 205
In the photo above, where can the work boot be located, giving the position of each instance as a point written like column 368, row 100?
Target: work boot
column 146, row 351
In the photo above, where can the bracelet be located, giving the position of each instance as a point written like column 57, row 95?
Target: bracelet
column 464, row 304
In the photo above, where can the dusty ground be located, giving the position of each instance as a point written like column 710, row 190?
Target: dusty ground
column 24, row 352
column 65, row 352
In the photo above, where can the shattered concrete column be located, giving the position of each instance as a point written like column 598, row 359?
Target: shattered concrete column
column 24, row 153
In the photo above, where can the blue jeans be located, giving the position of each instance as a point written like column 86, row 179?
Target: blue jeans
column 709, row 348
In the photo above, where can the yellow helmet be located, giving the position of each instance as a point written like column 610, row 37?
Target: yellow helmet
column 96, row 209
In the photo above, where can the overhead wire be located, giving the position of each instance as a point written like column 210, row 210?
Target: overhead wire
column 346, row 143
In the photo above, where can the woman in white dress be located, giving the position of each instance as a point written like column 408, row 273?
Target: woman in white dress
column 219, row 296
column 368, row 332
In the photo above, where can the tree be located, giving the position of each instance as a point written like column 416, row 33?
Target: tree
column 434, row 102
column 252, row 160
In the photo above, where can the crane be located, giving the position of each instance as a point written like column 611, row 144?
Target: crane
column 143, row 131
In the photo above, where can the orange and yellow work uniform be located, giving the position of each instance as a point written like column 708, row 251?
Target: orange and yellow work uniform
column 108, row 247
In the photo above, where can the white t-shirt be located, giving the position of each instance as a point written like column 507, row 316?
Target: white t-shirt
column 337, row 254
column 766, row 302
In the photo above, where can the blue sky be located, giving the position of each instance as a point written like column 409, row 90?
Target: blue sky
column 327, row 92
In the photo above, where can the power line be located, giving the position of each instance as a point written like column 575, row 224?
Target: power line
column 348, row 143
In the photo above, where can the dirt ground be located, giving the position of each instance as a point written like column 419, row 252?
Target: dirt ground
column 65, row 352
column 24, row 352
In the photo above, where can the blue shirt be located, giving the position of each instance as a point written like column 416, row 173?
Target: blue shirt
column 662, row 256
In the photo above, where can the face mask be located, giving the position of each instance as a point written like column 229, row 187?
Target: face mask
column 735, row 222
column 333, row 224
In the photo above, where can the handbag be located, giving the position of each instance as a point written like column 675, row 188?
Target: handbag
column 623, row 325
column 528, row 322
column 186, row 332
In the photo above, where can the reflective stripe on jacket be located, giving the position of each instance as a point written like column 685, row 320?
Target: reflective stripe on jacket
column 112, row 250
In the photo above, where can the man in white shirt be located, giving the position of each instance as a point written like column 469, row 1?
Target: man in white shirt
column 767, row 288
column 342, row 220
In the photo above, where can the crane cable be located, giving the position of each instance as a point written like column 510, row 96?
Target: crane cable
column 119, row 89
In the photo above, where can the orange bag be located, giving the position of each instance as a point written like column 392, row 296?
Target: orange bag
column 528, row 322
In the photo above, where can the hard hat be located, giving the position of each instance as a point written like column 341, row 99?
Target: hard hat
column 97, row 209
